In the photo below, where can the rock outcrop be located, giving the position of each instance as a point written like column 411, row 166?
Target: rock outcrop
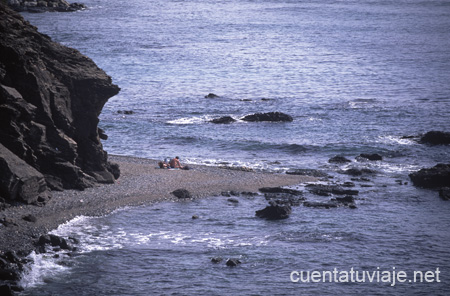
column 436, row 138
column 44, row 5
column 435, row 177
column 223, row 120
column 270, row 116
column 50, row 100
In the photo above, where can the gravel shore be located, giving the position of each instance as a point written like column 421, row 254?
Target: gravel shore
column 141, row 182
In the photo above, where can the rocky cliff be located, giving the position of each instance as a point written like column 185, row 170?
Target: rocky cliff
column 50, row 100
column 44, row 5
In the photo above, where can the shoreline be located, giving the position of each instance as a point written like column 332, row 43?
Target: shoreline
column 141, row 183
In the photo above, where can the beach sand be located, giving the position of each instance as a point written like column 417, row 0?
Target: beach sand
column 141, row 183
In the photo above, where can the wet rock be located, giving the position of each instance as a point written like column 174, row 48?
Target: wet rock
column 348, row 199
column 307, row 172
column 372, row 157
column 194, row 217
column 328, row 190
column 436, row 138
column 444, row 193
column 348, row 184
column 54, row 241
column 233, row 262
column 339, row 159
column 358, row 172
column 182, row 193
column 323, row 205
column 223, row 120
column 275, row 211
column 284, row 198
column 41, row 6
column 212, row 96
column 102, row 134
column 435, row 177
column 280, row 190
column 270, row 116
column 233, row 200
column 126, row 112
column 216, row 259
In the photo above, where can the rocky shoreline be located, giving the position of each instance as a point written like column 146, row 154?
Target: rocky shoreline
column 37, row 6
column 23, row 228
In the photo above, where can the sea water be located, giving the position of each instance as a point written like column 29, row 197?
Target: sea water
column 356, row 76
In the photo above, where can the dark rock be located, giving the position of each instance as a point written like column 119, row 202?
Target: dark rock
column 211, row 96
column 284, row 198
column 195, row 217
column 348, row 199
column 54, row 241
column 50, row 100
column 435, row 177
column 358, row 172
column 339, row 159
column 223, row 120
column 328, row 190
column 233, row 262
column 8, row 222
column 226, row 194
column 182, row 193
column 307, row 172
column 9, row 274
column 29, row 218
column 114, row 169
column 313, row 204
column 436, row 138
column 348, row 184
column 270, row 116
column 249, row 194
column 5, row 290
column 233, row 200
column 372, row 157
column 127, row 112
column 45, row 6
column 280, row 190
column 101, row 134
column 275, row 212
column 216, row 259
column 19, row 181
column 444, row 193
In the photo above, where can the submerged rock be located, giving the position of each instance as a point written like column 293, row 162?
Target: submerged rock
column 280, row 190
column 284, row 198
column 358, row 172
column 307, row 172
column 444, row 193
column 435, row 177
column 270, row 116
column 372, row 157
column 211, row 96
column 339, row 159
column 328, row 190
column 223, row 120
column 233, row 262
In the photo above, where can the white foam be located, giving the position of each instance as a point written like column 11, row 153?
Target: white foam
column 44, row 266
column 396, row 140
column 191, row 120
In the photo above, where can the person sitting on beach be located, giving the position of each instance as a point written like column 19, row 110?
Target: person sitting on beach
column 175, row 163
column 163, row 165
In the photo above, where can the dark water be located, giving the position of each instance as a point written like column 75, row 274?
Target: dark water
column 356, row 76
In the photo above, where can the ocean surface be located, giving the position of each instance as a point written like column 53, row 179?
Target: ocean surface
column 356, row 76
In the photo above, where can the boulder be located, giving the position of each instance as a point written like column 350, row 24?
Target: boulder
column 223, row 120
column 182, row 193
column 19, row 181
column 270, row 116
column 435, row 177
column 339, row 159
column 275, row 211
column 358, row 172
column 372, row 157
column 50, row 100
column 54, row 241
column 436, row 138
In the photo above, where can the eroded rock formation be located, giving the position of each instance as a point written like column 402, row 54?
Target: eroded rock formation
column 50, row 100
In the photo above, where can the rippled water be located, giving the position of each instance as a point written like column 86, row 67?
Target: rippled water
column 356, row 76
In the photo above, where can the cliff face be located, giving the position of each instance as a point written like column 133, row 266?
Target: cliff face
column 50, row 100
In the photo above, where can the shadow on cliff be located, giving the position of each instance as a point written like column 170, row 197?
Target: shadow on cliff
column 50, row 100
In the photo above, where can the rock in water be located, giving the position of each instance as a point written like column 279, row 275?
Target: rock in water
column 50, row 100
column 435, row 177
column 223, row 120
column 182, row 193
column 275, row 211
column 436, row 138
column 270, row 116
